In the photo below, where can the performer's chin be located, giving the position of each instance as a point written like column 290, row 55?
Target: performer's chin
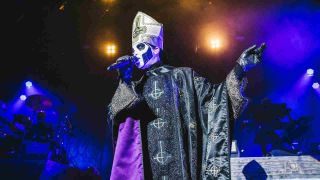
column 139, row 63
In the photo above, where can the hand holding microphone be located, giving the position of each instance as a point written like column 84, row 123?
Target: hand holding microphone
column 122, row 62
column 124, row 67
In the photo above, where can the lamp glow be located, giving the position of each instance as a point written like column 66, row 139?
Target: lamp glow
column 315, row 85
column 310, row 72
column 215, row 43
column 110, row 49
column 23, row 97
column 28, row 84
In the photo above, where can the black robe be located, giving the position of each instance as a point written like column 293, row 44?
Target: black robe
column 184, row 121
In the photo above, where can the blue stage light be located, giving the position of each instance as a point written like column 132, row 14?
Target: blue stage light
column 23, row 97
column 315, row 85
column 310, row 72
column 28, row 84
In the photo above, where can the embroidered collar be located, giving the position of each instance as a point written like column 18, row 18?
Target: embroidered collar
column 157, row 69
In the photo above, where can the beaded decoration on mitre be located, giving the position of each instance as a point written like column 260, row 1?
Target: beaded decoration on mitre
column 148, row 30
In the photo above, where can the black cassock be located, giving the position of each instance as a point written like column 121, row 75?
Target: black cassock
column 184, row 121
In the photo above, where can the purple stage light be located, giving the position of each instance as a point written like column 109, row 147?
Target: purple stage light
column 310, row 72
column 315, row 85
column 23, row 97
column 28, row 84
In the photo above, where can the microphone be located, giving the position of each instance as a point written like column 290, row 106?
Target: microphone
column 122, row 62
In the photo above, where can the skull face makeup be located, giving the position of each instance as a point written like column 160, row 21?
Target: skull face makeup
column 144, row 54
column 147, row 40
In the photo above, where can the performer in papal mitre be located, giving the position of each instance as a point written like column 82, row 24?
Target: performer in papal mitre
column 172, row 123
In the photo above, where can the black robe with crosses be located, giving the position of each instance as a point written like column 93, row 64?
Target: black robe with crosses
column 184, row 121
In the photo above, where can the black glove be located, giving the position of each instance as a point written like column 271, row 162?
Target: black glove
column 125, row 73
column 251, row 57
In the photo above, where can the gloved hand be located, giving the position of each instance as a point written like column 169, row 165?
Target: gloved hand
column 251, row 57
column 125, row 73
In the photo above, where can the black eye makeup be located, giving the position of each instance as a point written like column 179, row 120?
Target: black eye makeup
column 141, row 46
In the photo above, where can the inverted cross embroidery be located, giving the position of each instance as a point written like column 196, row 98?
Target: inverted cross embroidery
column 213, row 171
column 158, row 123
column 214, row 136
column 192, row 125
column 156, row 92
column 162, row 157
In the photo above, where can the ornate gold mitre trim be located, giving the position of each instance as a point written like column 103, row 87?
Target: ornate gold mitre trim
column 148, row 30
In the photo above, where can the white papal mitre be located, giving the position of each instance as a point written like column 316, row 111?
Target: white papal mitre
column 148, row 30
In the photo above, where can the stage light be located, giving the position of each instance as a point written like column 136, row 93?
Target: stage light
column 310, row 72
column 110, row 49
column 108, row 1
column 315, row 85
column 213, row 38
column 61, row 8
column 215, row 43
column 28, row 84
column 23, row 97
